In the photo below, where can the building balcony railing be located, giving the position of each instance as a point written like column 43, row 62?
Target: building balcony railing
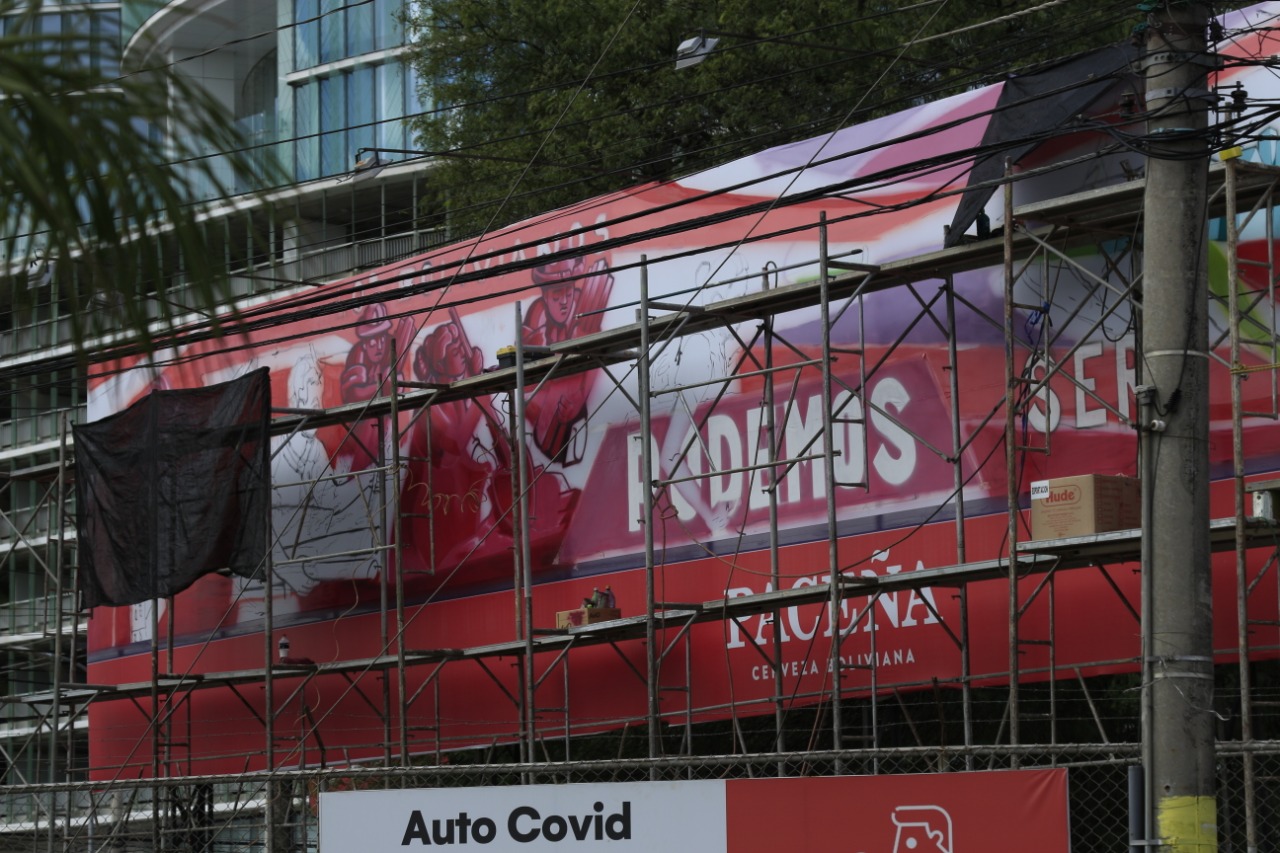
column 30, row 429
column 19, row 619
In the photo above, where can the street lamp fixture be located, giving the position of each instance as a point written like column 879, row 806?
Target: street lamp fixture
column 693, row 50
column 369, row 161
column 367, row 158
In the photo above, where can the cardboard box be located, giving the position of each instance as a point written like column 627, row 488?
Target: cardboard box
column 586, row 616
column 1084, row 505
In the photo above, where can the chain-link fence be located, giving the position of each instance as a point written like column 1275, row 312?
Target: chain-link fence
column 279, row 812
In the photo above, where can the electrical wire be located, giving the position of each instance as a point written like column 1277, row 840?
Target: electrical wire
column 866, row 181
column 461, row 150
column 918, row 94
column 341, row 299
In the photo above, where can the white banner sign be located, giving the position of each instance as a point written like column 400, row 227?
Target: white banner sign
column 637, row 816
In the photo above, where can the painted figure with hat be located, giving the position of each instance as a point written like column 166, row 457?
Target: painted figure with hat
column 367, row 370
column 457, row 492
column 449, row 490
column 573, row 295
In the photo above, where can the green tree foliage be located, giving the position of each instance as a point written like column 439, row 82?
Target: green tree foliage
column 102, row 176
column 540, row 103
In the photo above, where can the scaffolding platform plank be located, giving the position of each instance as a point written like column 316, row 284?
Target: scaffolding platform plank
column 1124, row 546
column 1034, row 557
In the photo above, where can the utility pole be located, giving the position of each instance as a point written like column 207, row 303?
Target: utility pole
column 1178, row 639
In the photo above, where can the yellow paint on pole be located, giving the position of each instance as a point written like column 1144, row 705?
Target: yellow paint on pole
column 1187, row 824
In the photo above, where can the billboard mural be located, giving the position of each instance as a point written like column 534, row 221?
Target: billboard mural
column 887, row 193
column 921, row 813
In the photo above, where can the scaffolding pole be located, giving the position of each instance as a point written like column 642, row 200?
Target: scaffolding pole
column 647, row 478
column 829, row 476
column 768, row 422
column 1238, row 496
column 1011, row 376
column 397, row 555
column 525, row 578
column 958, row 482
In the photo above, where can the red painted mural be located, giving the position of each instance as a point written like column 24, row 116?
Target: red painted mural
column 713, row 236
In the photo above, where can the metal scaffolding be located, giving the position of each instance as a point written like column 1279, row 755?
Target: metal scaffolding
column 401, row 684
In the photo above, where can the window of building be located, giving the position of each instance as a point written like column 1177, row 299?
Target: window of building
column 334, row 153
column 82, row 38
column 306, row 33
column 389, row 32
column 333, row 30
column 360, row 28
column 359, row 107
column 306, row 123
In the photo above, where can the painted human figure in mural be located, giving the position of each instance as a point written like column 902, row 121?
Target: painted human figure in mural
column 365, row 376
column 448, row 492
column 458, row 493
column 311, row 515
column 569, row 306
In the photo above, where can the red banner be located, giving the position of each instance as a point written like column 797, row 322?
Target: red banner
column 927, row 813
column 898, row 471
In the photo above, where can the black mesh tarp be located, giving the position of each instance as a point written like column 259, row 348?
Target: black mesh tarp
column 1035, row 108
column 173, row 488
